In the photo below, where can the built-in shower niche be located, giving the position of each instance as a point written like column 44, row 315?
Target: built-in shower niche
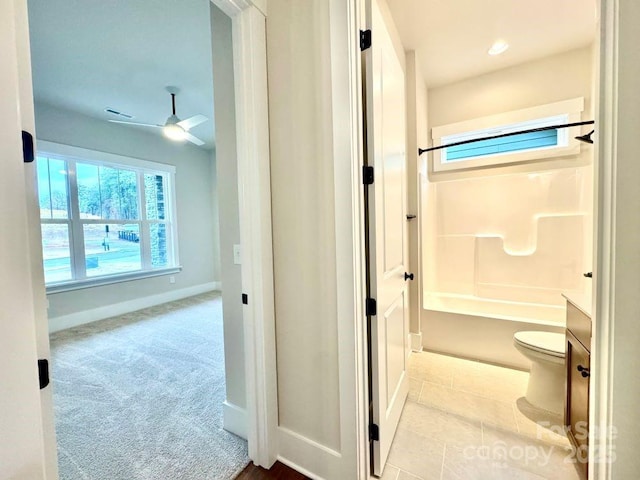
column 486, row 266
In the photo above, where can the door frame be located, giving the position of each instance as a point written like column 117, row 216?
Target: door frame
column 605, row 226
column 248, row 19
column 254, row 190
column 249, row 48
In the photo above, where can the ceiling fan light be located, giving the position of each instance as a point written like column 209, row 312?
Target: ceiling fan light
column 174, row 132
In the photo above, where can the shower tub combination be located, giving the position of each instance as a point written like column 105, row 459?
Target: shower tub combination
column 483, row 329
column 500, row 251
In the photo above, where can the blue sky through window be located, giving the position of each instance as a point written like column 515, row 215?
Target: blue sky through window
column 515, row 143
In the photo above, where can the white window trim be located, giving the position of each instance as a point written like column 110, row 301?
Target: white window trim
column 60, row 287
column 95, row 156
column 64, row 152
column 572, row 109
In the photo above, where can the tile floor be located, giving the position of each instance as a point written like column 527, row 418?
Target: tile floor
column 467, row 420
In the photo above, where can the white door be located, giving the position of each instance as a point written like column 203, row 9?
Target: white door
column 22, row 445
column 387, row 246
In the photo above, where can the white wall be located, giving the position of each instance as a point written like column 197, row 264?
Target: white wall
column 194, row 200
column 318, row 302
column 303, row 219
column 229, row 230
column 560, row 77
column 528, row 204
column 551, row 79
column 317, row 235
column 620, row 119
column 548, row 80
column 417, row 136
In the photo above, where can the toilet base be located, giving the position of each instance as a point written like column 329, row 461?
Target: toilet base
column 546, row 386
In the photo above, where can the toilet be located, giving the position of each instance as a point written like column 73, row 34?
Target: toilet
column 546, row 351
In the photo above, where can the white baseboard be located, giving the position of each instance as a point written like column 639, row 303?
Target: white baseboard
column 298, row 468
column 234, row 419
column 311, row 458
column 416, row 341
column 88, row 316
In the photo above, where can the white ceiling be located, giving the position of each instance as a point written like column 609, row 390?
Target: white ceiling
column 451, row 37
column 90, row 55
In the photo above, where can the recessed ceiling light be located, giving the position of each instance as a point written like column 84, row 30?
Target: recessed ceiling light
column 498, row 47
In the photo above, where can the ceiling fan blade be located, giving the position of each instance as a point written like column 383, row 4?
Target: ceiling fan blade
column 136, row 123
column 189, row 123
column 192, row 139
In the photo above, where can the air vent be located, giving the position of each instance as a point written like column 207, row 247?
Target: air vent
column 118, row 114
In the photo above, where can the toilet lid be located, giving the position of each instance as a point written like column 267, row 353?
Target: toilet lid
column 544, row 342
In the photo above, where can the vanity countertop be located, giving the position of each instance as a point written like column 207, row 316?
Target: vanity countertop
column 580, row 301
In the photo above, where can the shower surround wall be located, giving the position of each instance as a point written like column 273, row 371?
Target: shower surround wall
column 512, row 238
column 501, row 244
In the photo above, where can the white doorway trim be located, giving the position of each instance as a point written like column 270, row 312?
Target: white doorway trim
column 254, row 191
column 604, row 288
column 252, row 127
column 604, row 226
column 609, row 308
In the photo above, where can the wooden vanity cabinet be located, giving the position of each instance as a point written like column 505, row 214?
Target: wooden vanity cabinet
column 576, row 418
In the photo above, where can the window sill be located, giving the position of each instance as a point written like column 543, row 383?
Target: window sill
column 108, row 280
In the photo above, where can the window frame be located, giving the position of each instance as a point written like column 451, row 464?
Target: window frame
column 567, row 111
column 73, row 155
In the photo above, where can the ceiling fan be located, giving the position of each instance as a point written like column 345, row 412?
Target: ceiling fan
column 174, row 128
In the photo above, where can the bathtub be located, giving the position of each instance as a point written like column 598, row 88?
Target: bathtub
column 482, row 329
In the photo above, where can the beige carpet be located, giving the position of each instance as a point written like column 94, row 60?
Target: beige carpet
column 140, row 396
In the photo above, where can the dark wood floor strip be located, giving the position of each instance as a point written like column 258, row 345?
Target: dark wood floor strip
column 279, row 471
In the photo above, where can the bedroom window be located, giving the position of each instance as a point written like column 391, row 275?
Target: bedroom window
column 512, row 149
column 104, row 218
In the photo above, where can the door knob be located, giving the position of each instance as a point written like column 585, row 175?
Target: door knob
column 408, row 276
column 588, row 274
column 584, row 371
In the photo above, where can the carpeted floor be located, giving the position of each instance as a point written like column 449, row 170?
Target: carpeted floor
column 139, row 397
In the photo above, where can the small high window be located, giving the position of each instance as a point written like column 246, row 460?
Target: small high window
column 510, row 149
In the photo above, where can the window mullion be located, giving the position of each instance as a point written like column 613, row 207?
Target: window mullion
column 145, row 247
column 78, row 262
column 171, row 218
column 50, row 192
column 145, row 232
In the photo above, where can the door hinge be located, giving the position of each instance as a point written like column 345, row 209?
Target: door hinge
column 43, row 373
column 365, row 39
column 245, row 299
column 367, row 175
column 28, row 153
column 371, row 307
column 374, row 432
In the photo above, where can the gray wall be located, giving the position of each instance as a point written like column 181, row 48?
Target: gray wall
column 195, row 204
column 227, row 193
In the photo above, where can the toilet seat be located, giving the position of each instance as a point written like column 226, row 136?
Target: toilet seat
column 544, row 342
